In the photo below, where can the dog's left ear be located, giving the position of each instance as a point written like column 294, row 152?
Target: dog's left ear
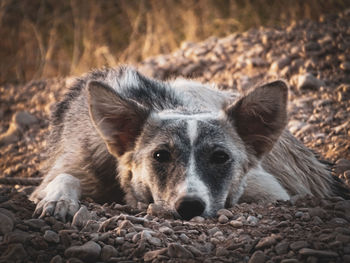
column 260, row 116
column 118, row 120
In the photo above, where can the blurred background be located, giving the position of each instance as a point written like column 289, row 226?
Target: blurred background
column 50, row 38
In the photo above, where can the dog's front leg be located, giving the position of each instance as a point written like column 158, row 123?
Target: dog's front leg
column 263, row 186
column 60, row 197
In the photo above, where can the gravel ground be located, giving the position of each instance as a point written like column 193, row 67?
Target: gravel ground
column 313, row 57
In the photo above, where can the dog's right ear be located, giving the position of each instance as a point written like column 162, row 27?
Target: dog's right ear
column 260, row 116
column 118, row 120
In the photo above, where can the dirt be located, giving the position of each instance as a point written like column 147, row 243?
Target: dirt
column 313, row 57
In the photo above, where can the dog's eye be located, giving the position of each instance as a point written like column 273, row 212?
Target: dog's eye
column 219, row 157
column 162, row 156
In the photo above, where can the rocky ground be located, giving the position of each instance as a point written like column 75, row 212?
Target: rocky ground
column 313, row 57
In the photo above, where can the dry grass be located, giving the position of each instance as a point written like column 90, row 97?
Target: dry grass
column 46, row 38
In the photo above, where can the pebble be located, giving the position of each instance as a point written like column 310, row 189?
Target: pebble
column 6, row 224
column 14, row 253
column 317, row 253
column 338, row 221
column 154, row 241
column 252, row 220
column 150, row 255
column 213, row 230
column 166, row 230
column 81, row 217
column 298, row 245
column 198, row 219
column 225, row 212
column 107, row 252
column 345, row 66
column 317, row 211
column 308, row 81
column 89, row 252
column 35, row 223
column 236, row 223
column 266, row 242
column 257, row 257
column 176, row 250
column 185, row 238
column 223, row 219
column 290, row 260
column 282, row 248
column 159, row 211
column 17, row 236
column 51, row 236
column 56, row 259
column 24, row 119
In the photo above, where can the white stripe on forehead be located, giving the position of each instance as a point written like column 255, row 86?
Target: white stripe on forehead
column 192, row 130
column 178, row 116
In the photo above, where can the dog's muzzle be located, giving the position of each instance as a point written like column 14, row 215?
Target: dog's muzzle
column 189, row 207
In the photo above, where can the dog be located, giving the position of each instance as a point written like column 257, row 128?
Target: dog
column 120, row 136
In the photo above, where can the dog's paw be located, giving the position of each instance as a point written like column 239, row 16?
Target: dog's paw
column 63, row 209
column 60, row 198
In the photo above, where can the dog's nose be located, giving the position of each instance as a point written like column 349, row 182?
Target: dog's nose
column 189, row 207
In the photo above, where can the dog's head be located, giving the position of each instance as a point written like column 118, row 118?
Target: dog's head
column 193, row 162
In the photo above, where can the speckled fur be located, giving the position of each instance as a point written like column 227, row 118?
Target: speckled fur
column 112, row 162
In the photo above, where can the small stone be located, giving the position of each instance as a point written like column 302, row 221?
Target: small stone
column 159, row 211
column 280, row 64
column 224, row 212
column 166, row 230
column 56, row 259
column 290, row 260
column 282, row 248
column 14, row 253
column 311, row 46
column 35, row 223
column 308, row 81
column 236, row 223
column 175, row 250
column 213, row 230
column 252, row 220
column 338, row 221
column 107, row 252
column 81, row 217
column 345, row 66
column 24, row 119
column 154, row 241
column 17, row 236
column 346, row 259
column 223, row 219
column 266, row 242
column 298, row 245
column 51, row 236
column 345, row 239
column 221, row 252
column 184, row 238
column 198, row 219
column 317, row 253
column 257, row 257
column 317, row 211
column 196, row 252
column 6, row 224
column 298, row 214
column 90, row 251
column 150, row 255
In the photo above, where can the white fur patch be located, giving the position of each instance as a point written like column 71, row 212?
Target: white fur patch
column 194, row 186
column 178, row 116
column 263, row 186
column 63, row 185
column 192, row 130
